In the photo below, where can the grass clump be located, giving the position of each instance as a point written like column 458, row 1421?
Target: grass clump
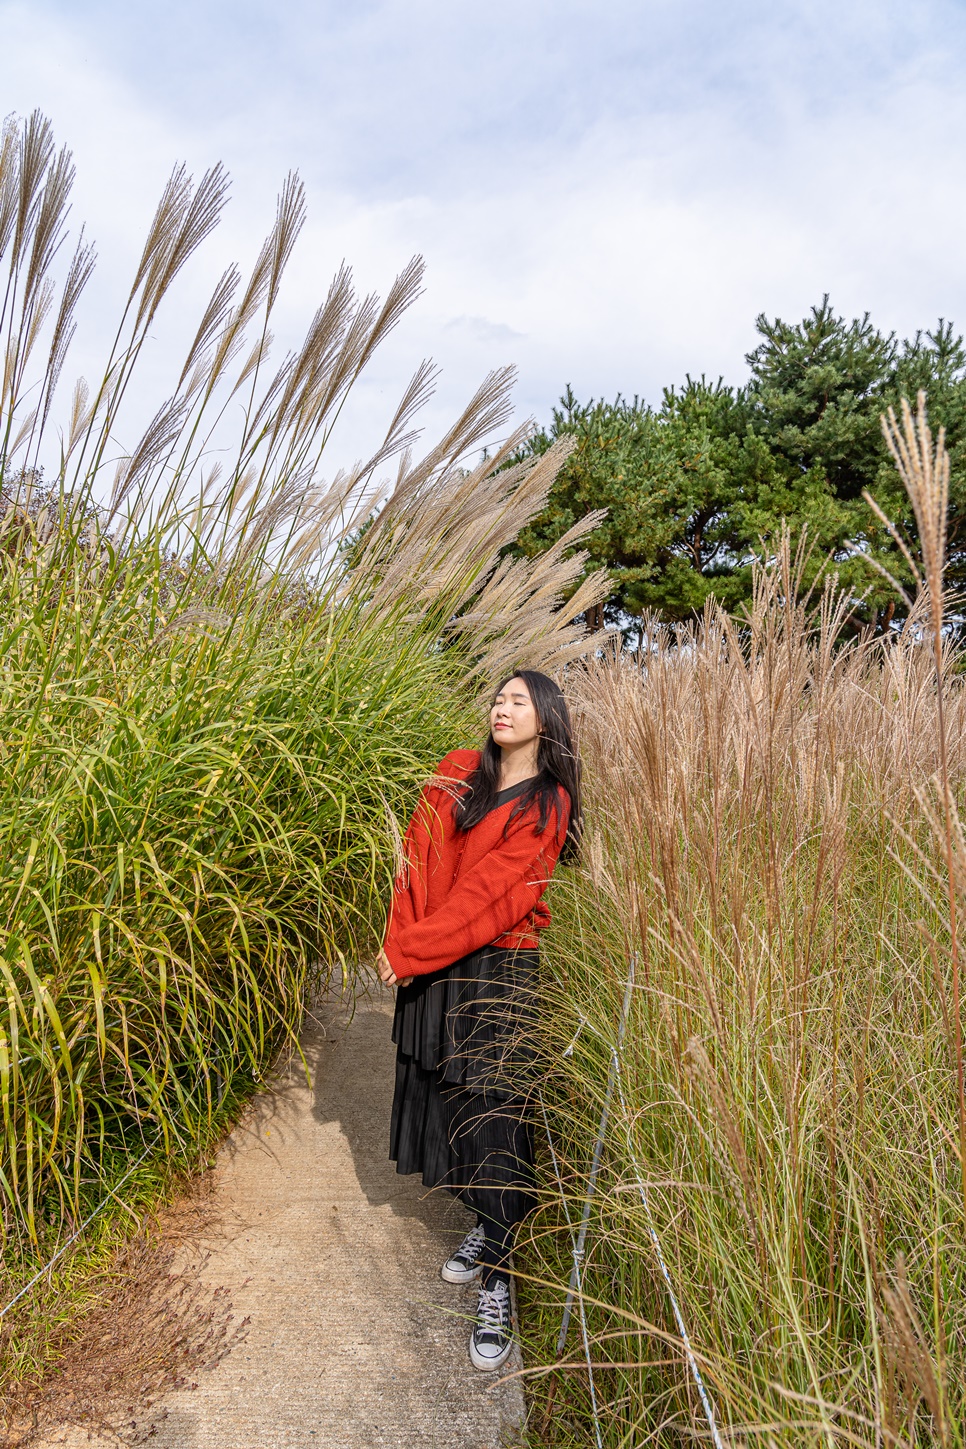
column 222, row 674
column 769, row 853
column 194, row 831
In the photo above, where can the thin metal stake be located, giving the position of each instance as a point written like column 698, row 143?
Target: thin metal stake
column 594, row 1169
column 665, row 1273
column 112, row 1193
column 583, row 1316
column 576, row 1285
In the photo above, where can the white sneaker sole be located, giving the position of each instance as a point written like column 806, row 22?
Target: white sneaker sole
column 460, row 1275
column 489, row 1365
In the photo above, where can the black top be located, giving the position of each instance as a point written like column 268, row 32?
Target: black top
column 511, row 792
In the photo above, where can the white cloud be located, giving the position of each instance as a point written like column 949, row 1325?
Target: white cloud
column 481, row 329
column 604, row 195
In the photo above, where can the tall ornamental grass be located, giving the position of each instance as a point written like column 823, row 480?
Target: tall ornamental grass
column 193, row 828
column 775, row 866
column 222, row 674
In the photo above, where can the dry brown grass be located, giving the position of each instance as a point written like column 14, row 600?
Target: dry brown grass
column 152, row 1324
column 769, row 845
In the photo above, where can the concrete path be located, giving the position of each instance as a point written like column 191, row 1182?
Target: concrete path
column 353, row 1337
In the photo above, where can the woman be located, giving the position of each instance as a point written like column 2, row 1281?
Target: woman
column 462, row 946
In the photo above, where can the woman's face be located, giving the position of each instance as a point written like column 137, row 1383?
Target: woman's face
column 513, row 719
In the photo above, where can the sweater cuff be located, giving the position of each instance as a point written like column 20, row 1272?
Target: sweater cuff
column 404, row 965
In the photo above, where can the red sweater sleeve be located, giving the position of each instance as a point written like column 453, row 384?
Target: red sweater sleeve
column 490, row 900
column 402, row 911
column 408, row 902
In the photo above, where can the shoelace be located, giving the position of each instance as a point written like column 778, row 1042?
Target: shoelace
column 472, row 1245
column 493, row 1313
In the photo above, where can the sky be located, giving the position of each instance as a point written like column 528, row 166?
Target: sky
column 606, row 194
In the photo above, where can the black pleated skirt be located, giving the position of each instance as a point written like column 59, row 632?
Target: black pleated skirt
column 461, row 1114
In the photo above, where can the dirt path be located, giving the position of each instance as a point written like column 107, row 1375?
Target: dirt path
column 353, row 1337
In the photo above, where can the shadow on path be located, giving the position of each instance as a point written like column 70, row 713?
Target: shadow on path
column 353, row 1070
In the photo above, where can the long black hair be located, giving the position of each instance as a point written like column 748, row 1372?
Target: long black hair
column 558, row 766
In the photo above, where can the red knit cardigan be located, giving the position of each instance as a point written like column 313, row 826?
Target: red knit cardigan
column 462, row 890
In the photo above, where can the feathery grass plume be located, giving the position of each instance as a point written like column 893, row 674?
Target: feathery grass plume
column 448, row 525
column 788, row 1095
column 209, row 710
column 925, row 475
column 35, row 185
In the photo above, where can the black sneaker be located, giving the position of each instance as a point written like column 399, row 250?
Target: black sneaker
column 490, row 1341
column 465, row 1263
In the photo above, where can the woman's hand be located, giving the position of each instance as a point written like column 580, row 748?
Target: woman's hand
column 387, row 974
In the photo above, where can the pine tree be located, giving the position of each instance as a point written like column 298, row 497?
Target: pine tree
column 699, row 487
